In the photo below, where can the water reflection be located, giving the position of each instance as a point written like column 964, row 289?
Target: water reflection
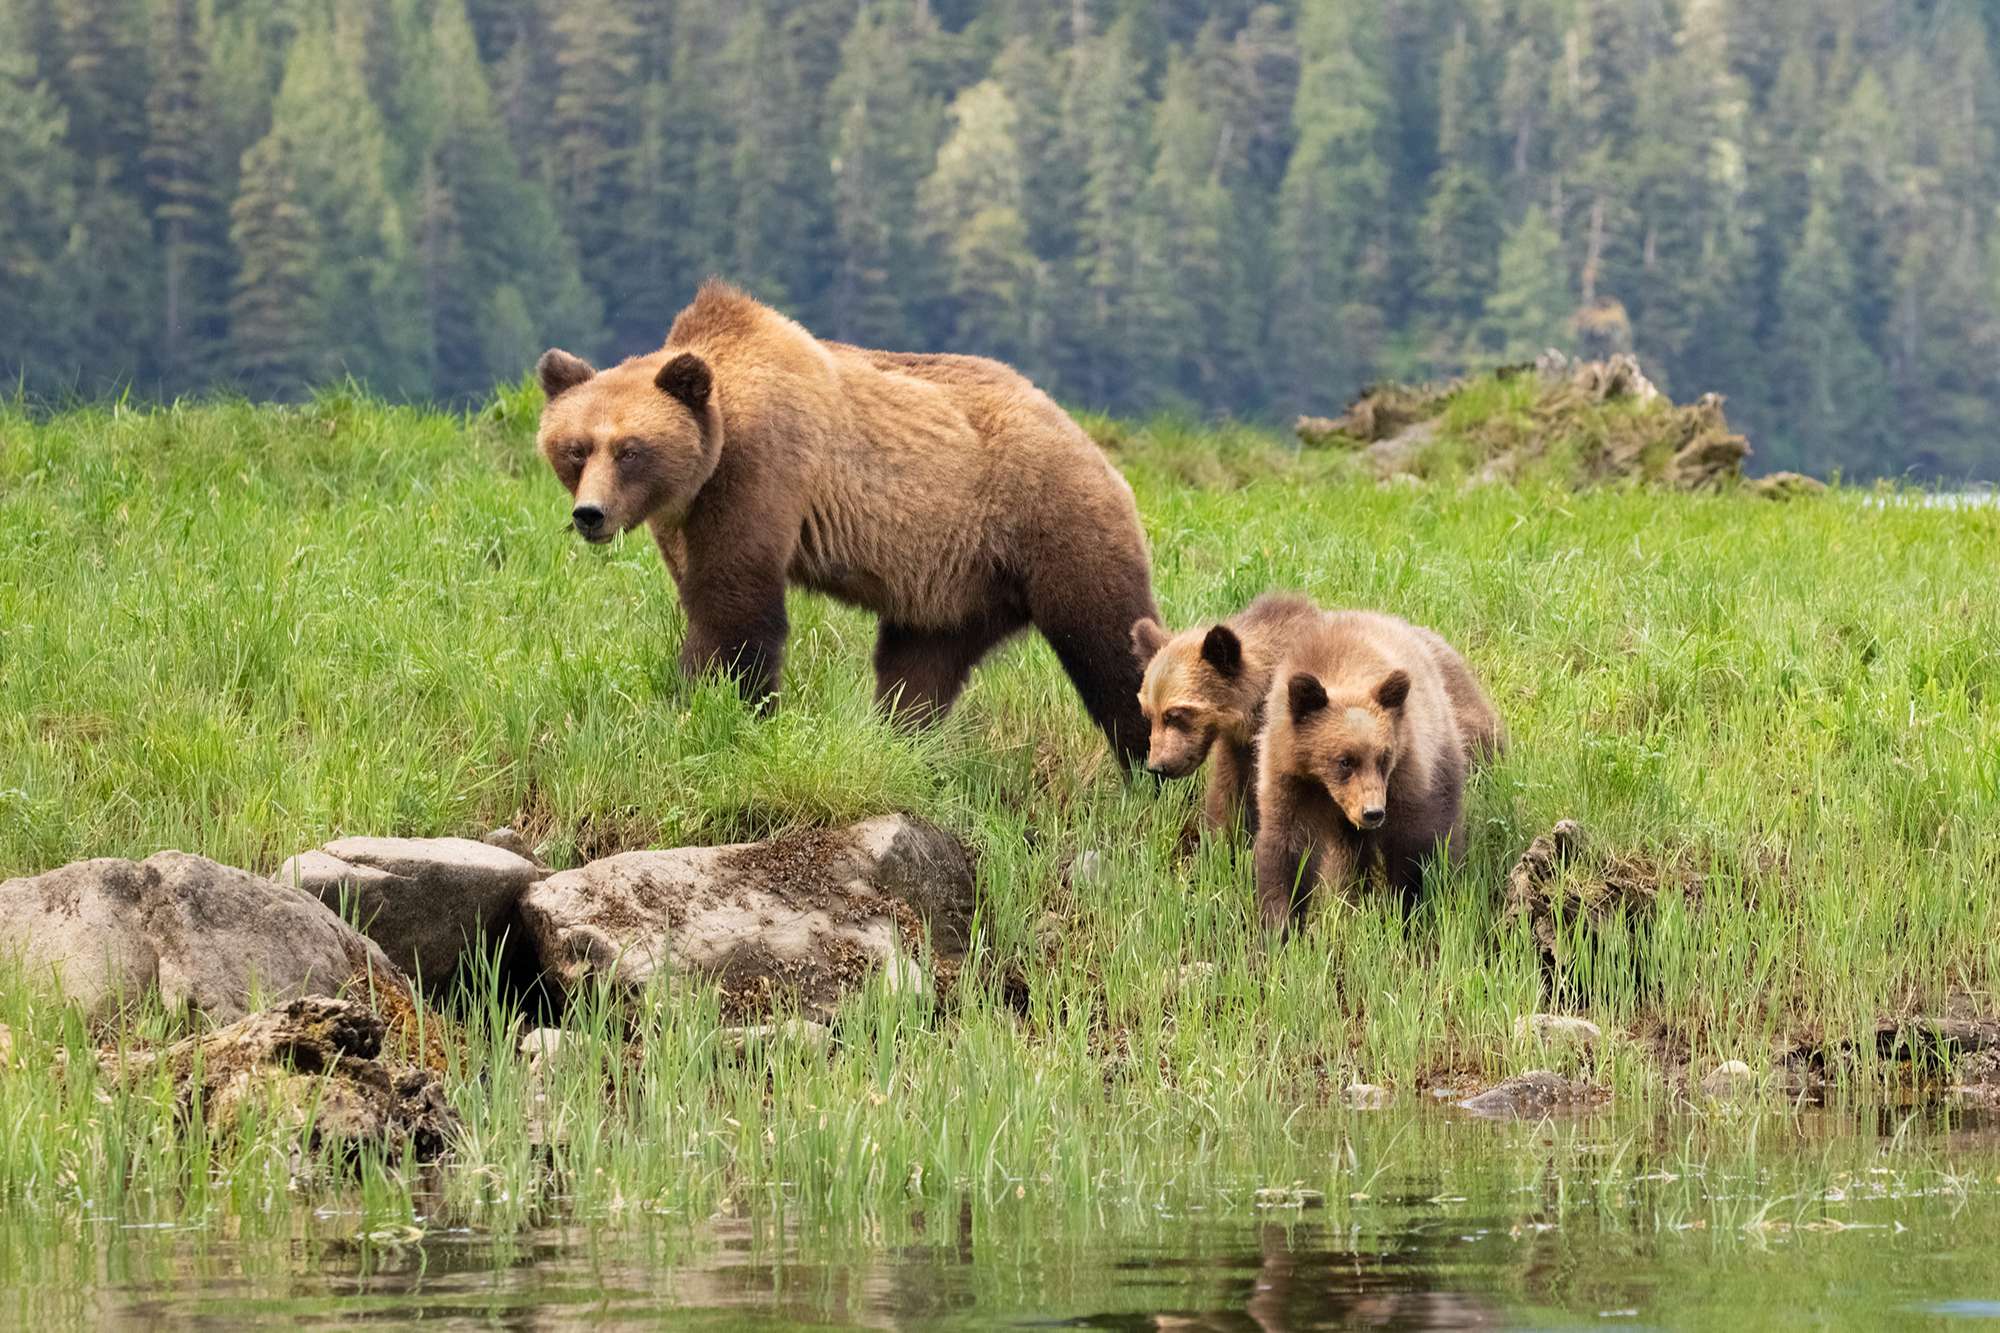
column 1715, row 1222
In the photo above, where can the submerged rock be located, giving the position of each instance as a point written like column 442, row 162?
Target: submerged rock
column 203, row 936
column 315, row 1063
column 1366, row 1096
column 426, row 901
column 1538, row 1092
column 805, row 917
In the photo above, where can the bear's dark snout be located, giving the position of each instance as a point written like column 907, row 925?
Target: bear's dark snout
column 1373, row 816
column 589, row 520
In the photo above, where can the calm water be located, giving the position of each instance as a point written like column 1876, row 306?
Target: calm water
column 1825, row 1221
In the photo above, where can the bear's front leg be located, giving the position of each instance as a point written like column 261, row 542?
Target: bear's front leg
column 1286, row 855
column 736, row 624
column 1231, row 793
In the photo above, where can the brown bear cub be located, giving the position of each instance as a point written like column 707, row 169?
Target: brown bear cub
column 1203, row 697
column 1370, row 727
column 946, row 494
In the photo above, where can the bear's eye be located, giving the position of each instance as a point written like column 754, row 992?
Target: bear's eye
column 1179, row 719
column 576, row 452
column 625, row 451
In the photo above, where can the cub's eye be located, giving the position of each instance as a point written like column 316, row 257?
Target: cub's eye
column 1179, row 719
column 625, row 451
column 576, row 452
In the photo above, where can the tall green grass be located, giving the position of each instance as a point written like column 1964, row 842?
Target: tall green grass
column 242, row 630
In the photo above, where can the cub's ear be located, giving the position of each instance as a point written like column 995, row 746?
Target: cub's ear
column 686, row 377
column 558, row 370
column 1394, row 690
column 1223, row 650
column 1306, row 694
column 1148, row 637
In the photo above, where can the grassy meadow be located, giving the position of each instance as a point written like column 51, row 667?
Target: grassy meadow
column 242, row 630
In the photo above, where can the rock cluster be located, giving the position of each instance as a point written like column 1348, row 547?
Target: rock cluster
column 1649, row 440
column 798, row 920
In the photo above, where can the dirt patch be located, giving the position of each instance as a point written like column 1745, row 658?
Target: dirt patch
column 314, row 1063
column 1566, row 888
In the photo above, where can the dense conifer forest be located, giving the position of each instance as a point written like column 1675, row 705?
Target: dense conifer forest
column 1232, row 208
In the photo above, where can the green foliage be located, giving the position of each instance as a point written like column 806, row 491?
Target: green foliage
column 1246, row 209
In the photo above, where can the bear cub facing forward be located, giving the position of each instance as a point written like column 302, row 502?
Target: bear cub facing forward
column 1370, row 727
column 1203, row 697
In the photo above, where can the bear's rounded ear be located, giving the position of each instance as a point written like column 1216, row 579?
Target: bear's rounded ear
column 1148, row 637
column 558, row 370
column 1306, row 694
column 1394, row 690
column 687, row 378
column 1223, row 650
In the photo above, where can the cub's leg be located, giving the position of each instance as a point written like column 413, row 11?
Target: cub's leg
column 1231, row 791
column 1297, row 850
column 1404, row 859
column 919, row 672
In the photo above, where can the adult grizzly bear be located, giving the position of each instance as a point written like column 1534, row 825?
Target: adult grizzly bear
column 946, row 494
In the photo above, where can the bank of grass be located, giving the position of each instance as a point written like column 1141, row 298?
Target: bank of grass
column 242, row 630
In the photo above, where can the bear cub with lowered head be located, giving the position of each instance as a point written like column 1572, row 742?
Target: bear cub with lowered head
column 1203, row 697
column 946, row 494
column 1370, row 728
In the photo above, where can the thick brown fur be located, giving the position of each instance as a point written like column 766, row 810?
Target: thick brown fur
column 1370, row 727
column 946, row 494
column 1203, row 697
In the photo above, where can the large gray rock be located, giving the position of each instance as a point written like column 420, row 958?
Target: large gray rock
column 207, row 937
column 806, row 916
column 426, row 901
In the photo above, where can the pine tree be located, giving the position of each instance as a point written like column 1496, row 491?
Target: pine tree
column 333, row 148
column 1098, row 339
column 190, row 226
column 103, row 83
column 888, row 135
column 481, row 228
column 1529, row 307
column 35, row 212
column 1329, row 320
column 594, row 113
column 276, row 322
column 1193, row 285
column 1459, row 238
column 1831, row 387
column 780, row 168
column 971, row 210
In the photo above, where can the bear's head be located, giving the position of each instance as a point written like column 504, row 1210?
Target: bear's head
column 1349, row 740
column 632, row 443
column 1193, row 691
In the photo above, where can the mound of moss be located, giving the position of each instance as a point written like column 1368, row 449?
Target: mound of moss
column 1585, row 423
